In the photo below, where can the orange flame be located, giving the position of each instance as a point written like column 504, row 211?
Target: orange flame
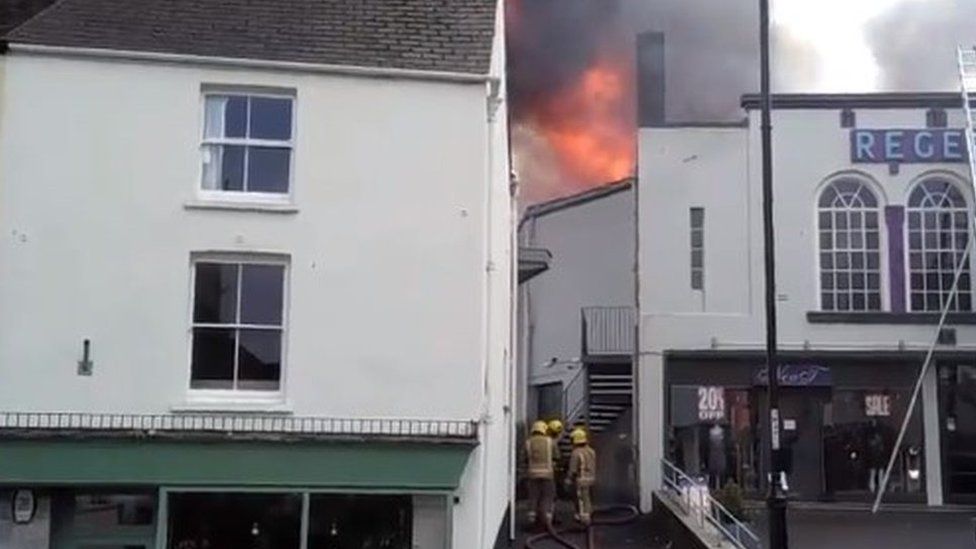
column 591, row 125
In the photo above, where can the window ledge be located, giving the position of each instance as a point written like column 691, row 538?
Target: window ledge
column 823, row 317
column 241, row 206
column 232, row 403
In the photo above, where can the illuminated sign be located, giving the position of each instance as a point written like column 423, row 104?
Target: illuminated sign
column 908, row 146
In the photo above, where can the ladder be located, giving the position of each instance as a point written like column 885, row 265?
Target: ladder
column 967, row 79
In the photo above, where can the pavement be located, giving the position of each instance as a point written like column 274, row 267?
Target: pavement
column 858, row 528
column 633, row 535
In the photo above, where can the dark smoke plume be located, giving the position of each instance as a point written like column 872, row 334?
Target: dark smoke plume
column 712, row 57
column 915, row 44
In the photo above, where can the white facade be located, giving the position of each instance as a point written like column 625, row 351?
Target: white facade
column 718, row 168
column 397, row 239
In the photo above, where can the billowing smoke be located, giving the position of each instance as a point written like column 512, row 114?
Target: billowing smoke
column 572, row 78
column 915, row 43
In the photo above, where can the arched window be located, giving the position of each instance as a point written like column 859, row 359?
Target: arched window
column 938, row 233
column 850, row 242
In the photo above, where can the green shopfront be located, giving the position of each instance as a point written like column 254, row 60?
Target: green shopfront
column 277, row 485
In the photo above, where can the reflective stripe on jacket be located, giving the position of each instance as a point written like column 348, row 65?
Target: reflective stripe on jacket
column 540, row 451
column 582, row 465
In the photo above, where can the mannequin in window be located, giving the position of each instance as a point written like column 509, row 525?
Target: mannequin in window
column 875, row 454
column 717, row 459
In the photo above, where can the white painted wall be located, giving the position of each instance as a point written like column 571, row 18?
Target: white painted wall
column 402, row 192
column 719, row 169
column 592, row 246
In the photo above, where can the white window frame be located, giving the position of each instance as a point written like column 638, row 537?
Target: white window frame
column 882, row 246
column 205, row 399
column 243, row 196
column 909, row 209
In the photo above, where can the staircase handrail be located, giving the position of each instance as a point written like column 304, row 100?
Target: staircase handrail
column 697, row 502
column 576, row 398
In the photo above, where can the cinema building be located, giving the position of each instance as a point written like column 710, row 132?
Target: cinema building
column 872, row 212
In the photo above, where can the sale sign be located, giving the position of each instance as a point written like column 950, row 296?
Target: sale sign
column 877, row 405
column 711, row 403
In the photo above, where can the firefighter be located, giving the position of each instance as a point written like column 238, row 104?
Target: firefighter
column 582, row 472
column 541, row 451
column 555, row 430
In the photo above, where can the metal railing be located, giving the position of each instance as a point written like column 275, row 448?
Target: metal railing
column 694, row 499
column 576, row 399
column 608, row 331
column 236, row 423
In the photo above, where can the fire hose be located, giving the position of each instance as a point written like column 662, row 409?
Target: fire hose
column 624, row 514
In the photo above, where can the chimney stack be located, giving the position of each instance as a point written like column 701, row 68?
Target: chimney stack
column 650, row 79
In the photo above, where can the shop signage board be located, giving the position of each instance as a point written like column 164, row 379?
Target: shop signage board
column 797, row 375
column 909, row 146
column 711, row 403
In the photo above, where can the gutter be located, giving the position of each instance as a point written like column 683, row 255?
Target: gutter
column 266, row 64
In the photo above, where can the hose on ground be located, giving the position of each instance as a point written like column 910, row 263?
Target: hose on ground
column 619, row 514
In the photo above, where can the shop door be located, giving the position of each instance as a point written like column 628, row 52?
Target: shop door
column 802, row 416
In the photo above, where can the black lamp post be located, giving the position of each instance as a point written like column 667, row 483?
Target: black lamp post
column 776, row 498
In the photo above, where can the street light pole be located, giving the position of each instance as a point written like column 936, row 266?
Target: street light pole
column 776, row 498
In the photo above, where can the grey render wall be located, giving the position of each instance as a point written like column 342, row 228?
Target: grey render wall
column 592, row 246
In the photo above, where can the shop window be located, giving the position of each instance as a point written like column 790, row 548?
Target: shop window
column 860, row 428
column 850, row 247
column 957, row 398
column 104, row 520
column 938, row 234
column 550, row 402
column 343, row 521
column 238, row 324
column 234, row 520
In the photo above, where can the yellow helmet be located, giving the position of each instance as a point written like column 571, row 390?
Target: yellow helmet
column 555, row 427
column 578, row 436
column 539, row 428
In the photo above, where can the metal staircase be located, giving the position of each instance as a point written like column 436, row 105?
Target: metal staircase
column 595, row 398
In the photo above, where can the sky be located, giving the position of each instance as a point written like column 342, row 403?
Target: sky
column 837, row 32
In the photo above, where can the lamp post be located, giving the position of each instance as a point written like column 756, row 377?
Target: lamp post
column 776, row 497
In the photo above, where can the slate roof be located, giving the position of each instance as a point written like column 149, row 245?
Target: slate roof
column 435, row 35
column 15, row 12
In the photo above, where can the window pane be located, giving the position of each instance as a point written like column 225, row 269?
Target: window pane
column 857, row 260
column 696, row 258
column 826, row 241
column 841, row 241
column 857, row 281
column 223, row 168
column 697, row 279
column 225, row 116
column 215, row 293
column 840, row 220
column 260, row 360
column 874, row 301
column 843, row 302
column 873, row 260
column 827, row 301
column 857, row 240
column 697, row 217
column 696, row 239
column 96, row 513
column 261, row 294
column 825, row 220
column 874, row 281
column 871, row 220
column 843, row 281
column 213, row 359
column 827, row 281
column 918, row 301
column 827, row 261
column 859, row 302
column 270, row 118
column 267, row 169
column 234, row 520
column 914, row 220
column 361, row 521
column 843, row 260
column 873, row 242
column 965, row 302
